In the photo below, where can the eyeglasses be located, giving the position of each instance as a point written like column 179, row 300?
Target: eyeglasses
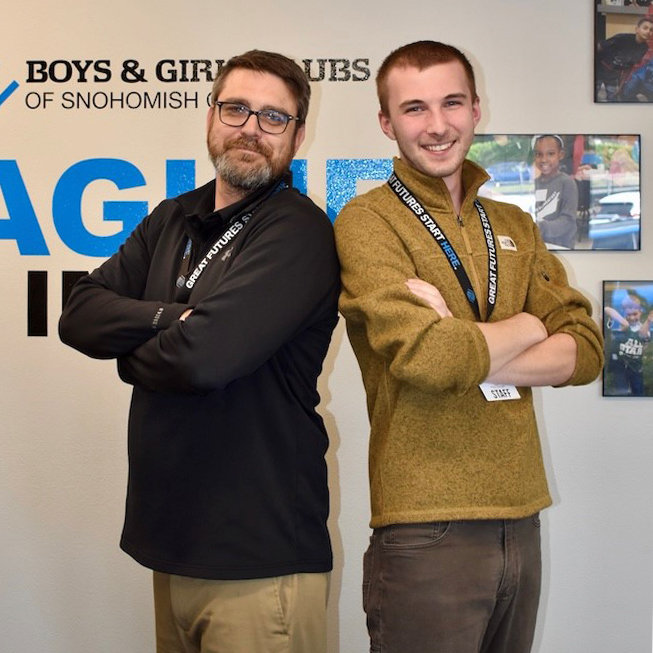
column 269, row 120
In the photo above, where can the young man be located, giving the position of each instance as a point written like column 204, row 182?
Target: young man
column 219, row 309
column 454, row 309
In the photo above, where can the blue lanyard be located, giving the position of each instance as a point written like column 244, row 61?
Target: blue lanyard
column 411, row 202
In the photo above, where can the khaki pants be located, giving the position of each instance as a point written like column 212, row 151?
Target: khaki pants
column 285, row 614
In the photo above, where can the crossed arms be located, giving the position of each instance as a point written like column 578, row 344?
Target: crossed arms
column 521, row 351
column 285, row 283
column 541, row 334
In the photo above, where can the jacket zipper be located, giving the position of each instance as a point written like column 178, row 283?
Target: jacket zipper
column 473, row 272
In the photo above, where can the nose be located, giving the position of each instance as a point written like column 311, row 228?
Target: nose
column 251, row 126
column 436, row 122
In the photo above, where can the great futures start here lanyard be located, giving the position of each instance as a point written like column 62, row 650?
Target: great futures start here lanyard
column 411, row 202
column 491, row 391
column 234, row 227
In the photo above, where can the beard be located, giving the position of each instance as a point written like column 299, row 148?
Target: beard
column 242, row 171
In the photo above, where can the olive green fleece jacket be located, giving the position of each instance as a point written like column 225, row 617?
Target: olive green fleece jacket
column 438, row 449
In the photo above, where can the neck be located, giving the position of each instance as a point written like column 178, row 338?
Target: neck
column 226, row 194
column 454, row 184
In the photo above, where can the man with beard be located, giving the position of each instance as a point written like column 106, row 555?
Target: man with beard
column 219, row 309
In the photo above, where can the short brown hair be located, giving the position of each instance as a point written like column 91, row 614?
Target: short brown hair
column 420, row 55
column 275, row 64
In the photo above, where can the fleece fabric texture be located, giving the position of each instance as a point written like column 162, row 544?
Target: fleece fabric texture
column 438, row 449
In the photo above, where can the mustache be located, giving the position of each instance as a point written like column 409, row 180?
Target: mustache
column 251, row 144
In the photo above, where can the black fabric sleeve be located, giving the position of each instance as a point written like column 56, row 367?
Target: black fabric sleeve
column 277, row 284
column 104, row 316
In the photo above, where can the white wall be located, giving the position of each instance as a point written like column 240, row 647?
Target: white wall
column 64, row 585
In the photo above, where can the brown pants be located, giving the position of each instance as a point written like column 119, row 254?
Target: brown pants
column 286, row 614
column 453, row 587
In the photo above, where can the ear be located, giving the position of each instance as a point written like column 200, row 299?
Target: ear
column 209, row 118
column 386, row 125
column 298, row 138
column 476, row 110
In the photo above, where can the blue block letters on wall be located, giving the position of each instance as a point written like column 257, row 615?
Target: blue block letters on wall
column 22, row 225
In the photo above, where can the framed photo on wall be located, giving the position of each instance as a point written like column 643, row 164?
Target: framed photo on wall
column 627, row 324
column 623, row 51
column 583, row 190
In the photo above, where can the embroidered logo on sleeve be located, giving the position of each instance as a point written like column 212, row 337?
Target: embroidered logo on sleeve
column 506, row 242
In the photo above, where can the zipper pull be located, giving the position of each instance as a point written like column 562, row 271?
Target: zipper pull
column 460, row 221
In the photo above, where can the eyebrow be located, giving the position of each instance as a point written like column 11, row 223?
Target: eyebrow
column 451, row 96
column 265, row 107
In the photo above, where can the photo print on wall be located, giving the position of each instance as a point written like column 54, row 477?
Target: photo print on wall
column 627, row 322
column 583, row 190
column 623, row 51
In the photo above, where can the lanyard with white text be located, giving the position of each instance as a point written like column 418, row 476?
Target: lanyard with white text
column 234, row 227
column 412, row 203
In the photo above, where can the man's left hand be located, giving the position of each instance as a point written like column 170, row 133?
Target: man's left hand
column 430, row 294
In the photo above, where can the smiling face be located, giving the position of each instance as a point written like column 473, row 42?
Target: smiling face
column 432, row 115
column 245, row 157
column 548, row 155
column 633, row 315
